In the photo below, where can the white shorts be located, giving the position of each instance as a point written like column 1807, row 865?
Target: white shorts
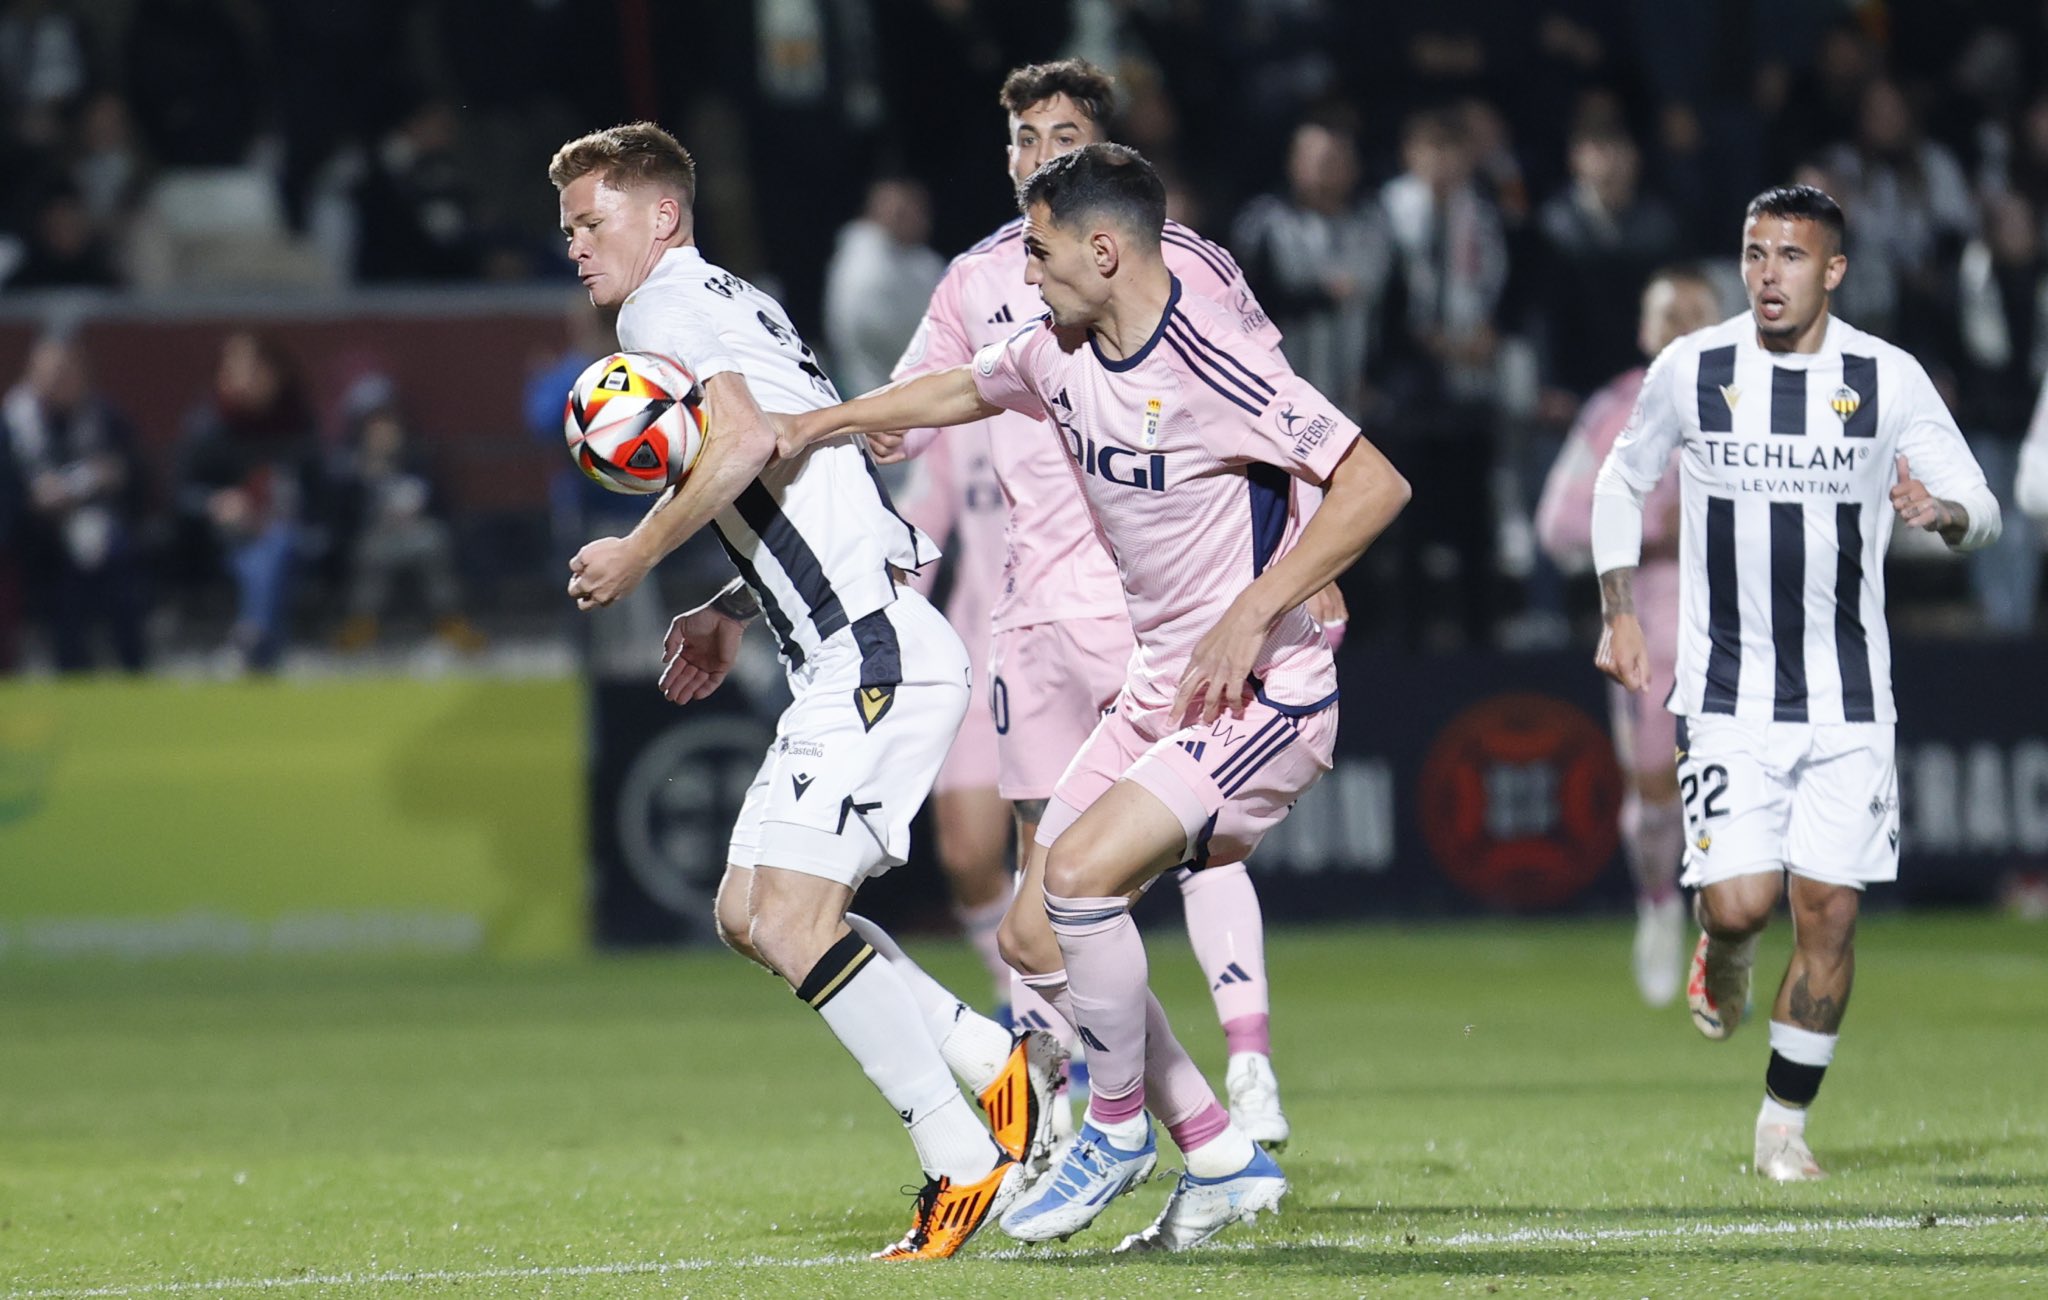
column 855, row 752
column 1818, row 799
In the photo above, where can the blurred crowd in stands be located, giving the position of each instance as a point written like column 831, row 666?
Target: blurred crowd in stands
column 1450, row 209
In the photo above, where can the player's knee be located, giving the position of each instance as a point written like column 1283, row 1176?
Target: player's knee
column 729, row 912
column 789, row 942
column 1824, row 917
column 1027, row 943
column 1737, row 908
column 1078, row 869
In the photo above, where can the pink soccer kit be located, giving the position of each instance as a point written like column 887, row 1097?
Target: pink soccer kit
column 1644, row 729
column 953, row 498
column 1187, row 452
column 1062, row 635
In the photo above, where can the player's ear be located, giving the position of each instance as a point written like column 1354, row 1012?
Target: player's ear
column 1102, row 244
column 668, row 216
column 1837, row 267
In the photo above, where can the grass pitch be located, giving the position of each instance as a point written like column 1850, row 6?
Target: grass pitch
column 1478, row 1110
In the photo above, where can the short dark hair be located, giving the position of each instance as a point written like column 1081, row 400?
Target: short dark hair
column 638, row 153
column 1110, row 180
column 1799, row 202
column 1092, row 90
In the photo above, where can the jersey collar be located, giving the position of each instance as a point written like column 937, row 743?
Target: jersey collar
column 1159, row 332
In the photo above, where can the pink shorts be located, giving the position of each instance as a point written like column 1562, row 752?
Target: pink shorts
column 1049, row 684
column 1229, row 782
column 971, row 762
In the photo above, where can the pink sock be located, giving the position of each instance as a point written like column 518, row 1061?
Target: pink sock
column 1106, row 974
column 1174, row 1087
column 1653, row 839
column 1229, row 938
column 981, row 924
column 1036, row 1003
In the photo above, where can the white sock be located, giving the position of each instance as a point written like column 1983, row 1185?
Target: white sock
column 974, row 1046
column 868, row 1008
column 1792, row 1117
column 1222, row 1155
column 1804, row 1046
column 1124, row 1134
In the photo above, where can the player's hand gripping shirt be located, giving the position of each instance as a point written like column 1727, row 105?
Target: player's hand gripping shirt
column 1786, row 464
column 1184, row 451
column 814, row 535
column 1054, row 567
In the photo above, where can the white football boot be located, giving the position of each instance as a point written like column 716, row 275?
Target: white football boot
column 1783, row 1156
column 1255, row 1100
column 1202, row 1207
column 1660, row 949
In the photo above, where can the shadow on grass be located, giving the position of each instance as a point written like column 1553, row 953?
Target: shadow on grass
column 1422, row 1261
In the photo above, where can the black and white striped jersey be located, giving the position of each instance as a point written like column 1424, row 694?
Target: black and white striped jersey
column 1787, row 461
column 813, row 536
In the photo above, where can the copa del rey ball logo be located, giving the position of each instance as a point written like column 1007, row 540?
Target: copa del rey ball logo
column 1518, row 800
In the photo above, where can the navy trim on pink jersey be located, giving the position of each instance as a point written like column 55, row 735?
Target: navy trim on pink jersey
column 1011, row 229
column 1181, row 338
column 1203, row 341
column 1214, row 255
column 1290, row 710
column 1131, row 361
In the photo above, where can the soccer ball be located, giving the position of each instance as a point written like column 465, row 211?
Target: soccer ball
column 635, row 422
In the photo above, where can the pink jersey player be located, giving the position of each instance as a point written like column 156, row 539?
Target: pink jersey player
column 952, row 497
column 1643, row 729
column 1062, row 640
column 1186, row 453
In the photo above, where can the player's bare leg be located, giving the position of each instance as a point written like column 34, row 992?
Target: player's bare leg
column 1653, row 839
column 972, row 831
column 798, row 927
column 729, row 910
column 1805, row 1023
column 1731, row 913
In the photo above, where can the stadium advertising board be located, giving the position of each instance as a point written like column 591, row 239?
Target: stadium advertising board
column 144, row 819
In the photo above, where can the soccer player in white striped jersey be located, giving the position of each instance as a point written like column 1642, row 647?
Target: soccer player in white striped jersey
column 880, row 681
column 1801, row 442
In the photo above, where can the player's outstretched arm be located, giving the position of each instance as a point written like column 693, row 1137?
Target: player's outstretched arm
column 934, row 401
column 1361, row 498
column 1621, row 654
column 703, row 643
column 742, row 442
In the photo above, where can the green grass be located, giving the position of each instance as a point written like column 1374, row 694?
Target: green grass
column 1478, row 1110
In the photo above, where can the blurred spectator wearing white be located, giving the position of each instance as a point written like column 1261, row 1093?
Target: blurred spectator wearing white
column 881, row 276
column 80, row 492
column 1317, row 257
column 386, row 498
column 2001, row 295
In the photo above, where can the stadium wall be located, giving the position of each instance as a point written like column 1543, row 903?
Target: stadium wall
column 144, row 819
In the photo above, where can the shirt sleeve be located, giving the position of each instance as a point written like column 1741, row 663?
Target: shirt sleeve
column 2031, row 491
column 1642, row 451
column 1003, row 371
column 1295, row 427
column 670, row 328
column 1937, row 455
column 940, row 342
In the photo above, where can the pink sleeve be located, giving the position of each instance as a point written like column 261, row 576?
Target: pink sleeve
column 1300, row 430
column 930, row 501
column 1564, row 515
column 1003, row 372
column 939, row 344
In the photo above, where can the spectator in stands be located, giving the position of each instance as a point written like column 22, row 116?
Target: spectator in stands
column 1437, row 324
column 250, row 471
column 79, row 490
column 415, row 215
column 1913, row 207
column 195, row 83
column 64, row 249
column 1318, row 259
column 45, row 68
column 882, row 274
column 1600, row 238
column 385, row 498
column 2001, row 295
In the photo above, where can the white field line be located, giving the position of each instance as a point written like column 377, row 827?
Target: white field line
column 658, row 1267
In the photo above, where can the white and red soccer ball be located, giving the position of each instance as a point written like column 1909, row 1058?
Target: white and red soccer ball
column 635, row 422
